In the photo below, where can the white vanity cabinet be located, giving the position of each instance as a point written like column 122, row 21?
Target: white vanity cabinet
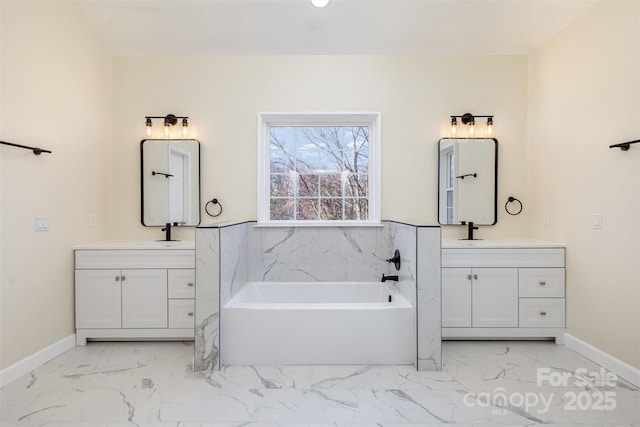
column 480, row 297
column 132, row 298
column 127, row 291
column 507, row 289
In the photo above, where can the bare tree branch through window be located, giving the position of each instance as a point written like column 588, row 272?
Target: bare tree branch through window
column 319, row 173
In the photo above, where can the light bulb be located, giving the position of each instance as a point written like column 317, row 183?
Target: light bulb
column 185, row 127
column 471, row 129
column 454, row 126
column 148, row 124
column 166, row 129
column 320, row 3
column 489, row 130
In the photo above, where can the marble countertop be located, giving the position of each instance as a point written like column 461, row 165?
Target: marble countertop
column 499, row 243
column 139, row 244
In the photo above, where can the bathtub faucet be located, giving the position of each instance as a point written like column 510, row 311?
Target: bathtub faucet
column 385, row 278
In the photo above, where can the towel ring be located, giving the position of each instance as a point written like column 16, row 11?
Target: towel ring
column 213, row 202
column 506, row 205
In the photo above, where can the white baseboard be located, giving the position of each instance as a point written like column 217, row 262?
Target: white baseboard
column 607, row 361
column 37, row 359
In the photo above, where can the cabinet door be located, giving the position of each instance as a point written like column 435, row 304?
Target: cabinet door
column 542, row 312
column 541, row 282
column 144, row 298
column 182, row 283
column 98, row 299
column 456, row 298
column 181, row 313
column 495, row 297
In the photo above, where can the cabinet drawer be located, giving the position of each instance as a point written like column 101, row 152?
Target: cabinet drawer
column 134, row 258
column 503, row 257
column 181, row 313
column 542, row 312
column 541, row 282
column 182, row 283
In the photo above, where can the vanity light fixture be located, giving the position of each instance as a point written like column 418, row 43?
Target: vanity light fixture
column 470, row 120
column 168, row 121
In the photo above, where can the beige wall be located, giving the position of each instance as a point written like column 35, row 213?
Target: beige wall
column 56, row 93
column 222, row 96
column 584, row 95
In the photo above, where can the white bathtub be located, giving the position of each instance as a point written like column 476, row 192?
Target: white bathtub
column 345, row 323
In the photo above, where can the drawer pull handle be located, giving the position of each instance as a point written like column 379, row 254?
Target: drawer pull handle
column 475, row 276
column 543, row 283
column 190, row 314
column 117, row 278
column 469, row 277
column 190, row 285
column 543, row 313
column 122, row 278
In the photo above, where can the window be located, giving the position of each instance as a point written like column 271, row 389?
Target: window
column 318, row 168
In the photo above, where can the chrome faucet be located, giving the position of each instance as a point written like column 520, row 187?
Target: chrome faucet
column 385, row 278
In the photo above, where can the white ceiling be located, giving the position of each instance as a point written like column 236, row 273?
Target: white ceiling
column 429, row 27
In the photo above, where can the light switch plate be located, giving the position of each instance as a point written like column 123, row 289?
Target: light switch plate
column 42, row 223
column 597, row 221
column 546, row 218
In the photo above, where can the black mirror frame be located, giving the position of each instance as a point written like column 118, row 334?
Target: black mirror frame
column 199, row 194
column 495, row 189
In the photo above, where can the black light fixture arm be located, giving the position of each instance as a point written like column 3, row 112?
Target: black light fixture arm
column 170, row 119
column 37, row 151
column 624, row 146
column 470, row 118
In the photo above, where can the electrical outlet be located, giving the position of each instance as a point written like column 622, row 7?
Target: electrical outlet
column 42, row 223
column 92, row 220
column 546, row 218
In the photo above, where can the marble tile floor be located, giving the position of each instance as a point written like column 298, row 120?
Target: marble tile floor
column 145, row 384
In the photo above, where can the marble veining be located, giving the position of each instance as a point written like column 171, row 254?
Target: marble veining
column 153, row 384
column 207, row 313
column 428, row 284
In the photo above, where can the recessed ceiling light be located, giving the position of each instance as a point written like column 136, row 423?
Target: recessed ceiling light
column 320, row 3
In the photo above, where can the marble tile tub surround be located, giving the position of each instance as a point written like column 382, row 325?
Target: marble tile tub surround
column 148, row 384
column 246, row 253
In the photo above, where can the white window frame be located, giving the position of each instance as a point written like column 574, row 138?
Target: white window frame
column 266, row 120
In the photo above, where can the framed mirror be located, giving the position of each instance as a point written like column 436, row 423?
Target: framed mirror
column 467, row 181
column 170, row 180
